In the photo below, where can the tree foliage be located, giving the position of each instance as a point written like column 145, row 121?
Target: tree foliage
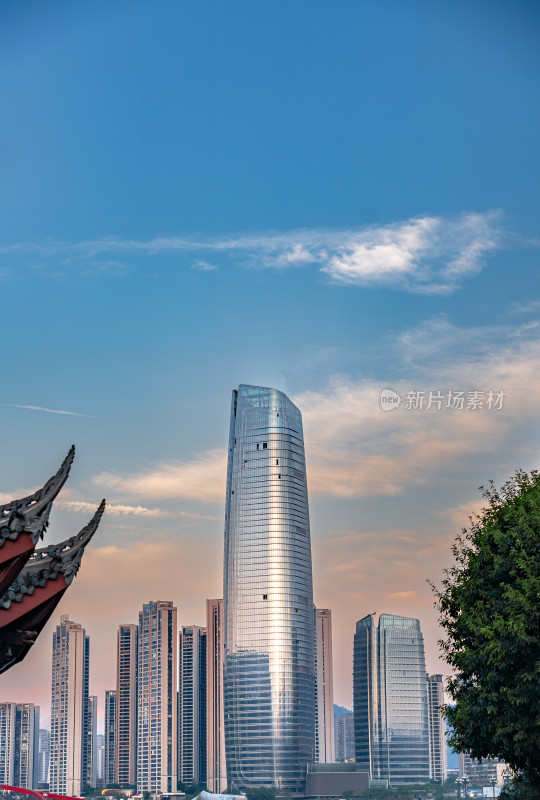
column 489, row 606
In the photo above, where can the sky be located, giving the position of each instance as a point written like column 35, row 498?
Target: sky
column 334, row 199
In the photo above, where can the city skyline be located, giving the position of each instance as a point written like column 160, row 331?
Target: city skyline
column 334, row 202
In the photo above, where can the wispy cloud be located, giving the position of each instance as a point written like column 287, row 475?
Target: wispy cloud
column 201, row 265
column 121, row 510
column 203, row 478
column 428, row 254
column 50, row 410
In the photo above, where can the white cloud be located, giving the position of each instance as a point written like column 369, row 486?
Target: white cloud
column 201, row 265
column 361, row 450
column 114, row 509
column 200, row 479
column 430, row 254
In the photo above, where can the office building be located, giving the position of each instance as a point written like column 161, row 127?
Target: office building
column 343, row 733
column 438, row 766
column 68, row 766
column 44, row 752
column 390, row 700
column 126, row 706
column 269, row 624
column 481, row 773
column 109, row 744
column 192, row 705
column 324, row 719
column 157, row 699
column 216, row 772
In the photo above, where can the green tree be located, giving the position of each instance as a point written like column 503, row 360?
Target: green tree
column 262, row 793
column 489, row 606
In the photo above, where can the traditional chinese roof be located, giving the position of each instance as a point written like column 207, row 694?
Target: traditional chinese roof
column 47, row 563
column 32, row 581
column 31, row 514
column 22, row 522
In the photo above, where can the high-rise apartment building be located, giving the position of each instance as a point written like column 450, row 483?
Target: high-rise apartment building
column 157, row 698
column 438, row 767
column 192, row 705
column 19, row 744
column 390, row 699
column 109, row 753
column 269, row 624
column 69, row 709
column 343, row 734
column 216, row 772
column 91, row 747
column 126, row 706
column 7, row 743
column 27, row 745
column 100, row 758
column 324, row 720
column 44, row 753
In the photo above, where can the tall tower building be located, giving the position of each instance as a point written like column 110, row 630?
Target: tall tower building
column 69, row 709
column 192, row 705
column 324, row 727
column 19, row 744
column 126, row 706
column 269, row 630
column 438, row 766
column 44, row 753
column 344, row 734
column 8, row 712
column 109, row 755
column 390, row 699
column 216, row 773
column 91, row 763
column 157, row 698
column 100, row 758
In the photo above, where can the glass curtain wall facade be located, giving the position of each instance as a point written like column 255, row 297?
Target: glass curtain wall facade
column 390, row 700
column 269, row 630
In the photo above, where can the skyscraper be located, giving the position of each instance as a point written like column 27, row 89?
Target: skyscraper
column 109, row 755
column 390, row 699
column 157, row 698
column 100, row 758
column 44, row 753
column 269, row 630
column 7, row 743
column 192, row 705
column 19, row 744
column 437, row 729
column 216, row 773
column 343, row 733
column 324, row 728
column 126, row 706
column 69, row 709
column 91, row 747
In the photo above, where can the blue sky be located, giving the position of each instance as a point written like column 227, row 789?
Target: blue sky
column 330, row 198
